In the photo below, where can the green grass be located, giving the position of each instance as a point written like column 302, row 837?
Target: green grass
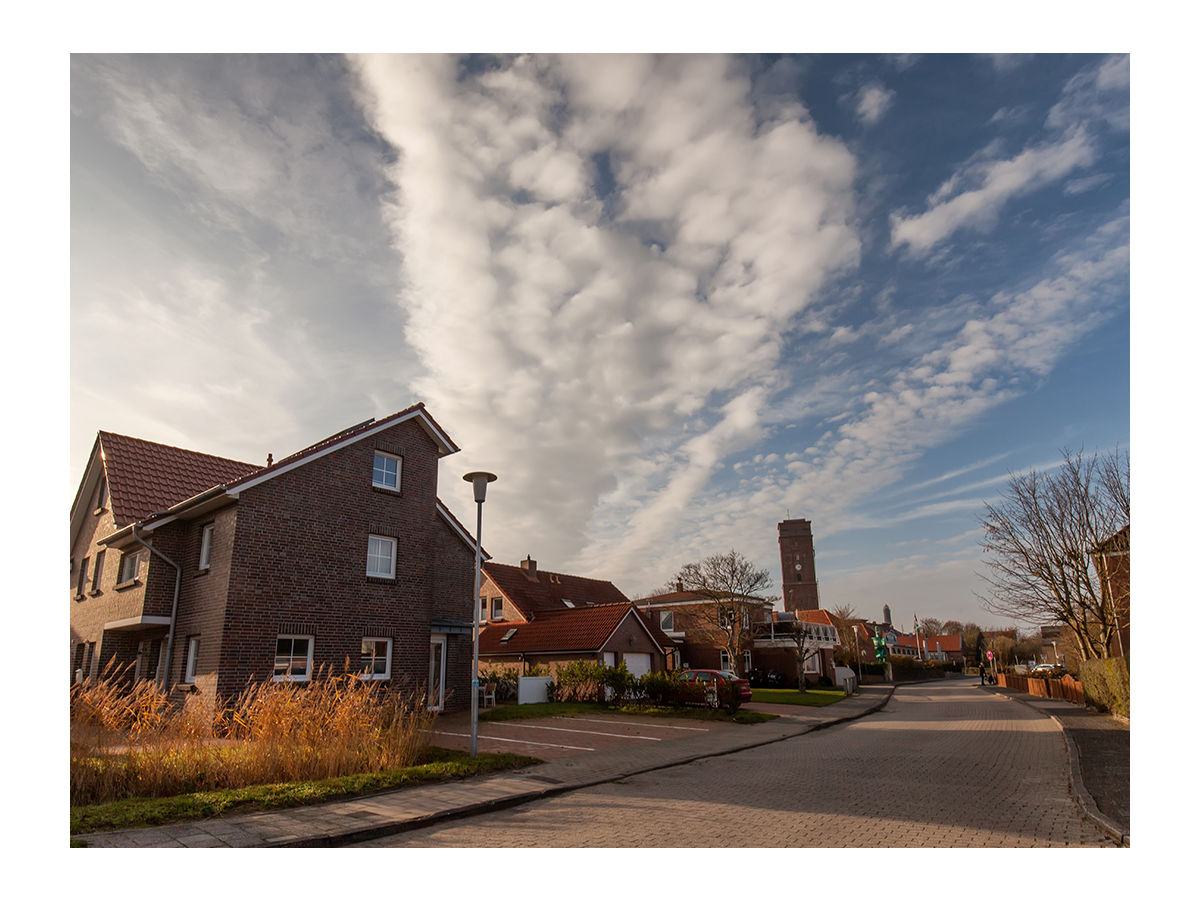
column 810, row 697
column 439, row 765
column 513, row 711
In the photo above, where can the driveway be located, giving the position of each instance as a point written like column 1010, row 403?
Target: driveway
column 556, row 736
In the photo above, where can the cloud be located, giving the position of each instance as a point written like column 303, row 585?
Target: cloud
column 995, row 183
column 873, row 102
column 603, row 347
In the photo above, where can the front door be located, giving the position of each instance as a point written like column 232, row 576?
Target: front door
column 437, row 671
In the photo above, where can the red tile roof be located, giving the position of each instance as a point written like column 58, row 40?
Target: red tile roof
column 545, row 592
column 816, row 616
column 144, row 477
column 581, row 630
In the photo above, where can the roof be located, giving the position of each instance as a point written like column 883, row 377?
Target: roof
column 815, row 616
column 145, row 478
column 545, row 591
column 947, row 643
column 580, row 630
column 1118, row 543
column 674, row 597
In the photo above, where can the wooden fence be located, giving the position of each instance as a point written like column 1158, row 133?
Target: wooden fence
column 1065, row 688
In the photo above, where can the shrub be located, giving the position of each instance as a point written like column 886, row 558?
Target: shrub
column 619, row 683
column 581, row 681
column 1106, row 684
column 731, row 696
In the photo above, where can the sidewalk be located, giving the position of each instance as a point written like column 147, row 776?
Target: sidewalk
column 378, row 815
column 1098, row 747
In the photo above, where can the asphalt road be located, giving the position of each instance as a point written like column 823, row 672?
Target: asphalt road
column 943, row 765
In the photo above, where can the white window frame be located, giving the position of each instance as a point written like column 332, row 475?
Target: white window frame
column 97, row 571
column 747, row 660
column 127, row 560
column 206, row 538
column 81, row 585
column 497, row 608
column 193, row 657
column 390, row 557
column 666, row 620
column 307, row 676
column 376, row 470
column 724, row 658
column 365, row 659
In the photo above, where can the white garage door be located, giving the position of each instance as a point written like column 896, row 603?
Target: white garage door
column 638, row 664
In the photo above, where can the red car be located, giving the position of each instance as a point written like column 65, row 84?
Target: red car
column 714, row 678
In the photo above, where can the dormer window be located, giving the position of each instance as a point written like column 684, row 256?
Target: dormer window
column 386, row 472
column 666, row 620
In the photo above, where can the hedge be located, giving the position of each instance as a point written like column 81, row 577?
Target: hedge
column 1106, row 684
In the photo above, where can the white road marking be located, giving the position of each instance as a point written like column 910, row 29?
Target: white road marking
column 647, row 725
column 512, row 741
column 632, row 737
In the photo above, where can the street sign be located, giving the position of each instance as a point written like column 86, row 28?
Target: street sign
column 989, row 654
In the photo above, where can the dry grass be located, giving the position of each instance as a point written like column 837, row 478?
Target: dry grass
column 129, row 739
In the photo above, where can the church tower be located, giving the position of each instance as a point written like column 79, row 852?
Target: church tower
column 887, row 615
column 798, row 562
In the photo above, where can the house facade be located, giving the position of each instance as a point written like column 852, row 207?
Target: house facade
column 206, row 573
column 550, row 619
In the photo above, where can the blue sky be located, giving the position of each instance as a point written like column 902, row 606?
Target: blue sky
column 669, row 301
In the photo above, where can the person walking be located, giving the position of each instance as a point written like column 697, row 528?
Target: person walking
column 982, row 674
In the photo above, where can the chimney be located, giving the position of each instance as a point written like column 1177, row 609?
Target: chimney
column 678, row 586
column 530, row 568
column 269, row 460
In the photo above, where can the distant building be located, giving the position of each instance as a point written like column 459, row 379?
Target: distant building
column 799, row 566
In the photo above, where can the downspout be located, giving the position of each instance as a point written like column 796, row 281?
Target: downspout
column 174, row 605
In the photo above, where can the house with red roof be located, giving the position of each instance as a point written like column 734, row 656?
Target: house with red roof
column 550, row 619
column 206, row 573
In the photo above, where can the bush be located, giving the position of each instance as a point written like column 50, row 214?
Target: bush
column 731, row 696
column 619, row 683
column 1106, row 684
column 581, row 681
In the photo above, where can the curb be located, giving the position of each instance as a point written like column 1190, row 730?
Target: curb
column 1081, row 794
column 474, row 809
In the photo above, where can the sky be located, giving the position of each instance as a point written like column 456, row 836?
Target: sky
column 668, row 300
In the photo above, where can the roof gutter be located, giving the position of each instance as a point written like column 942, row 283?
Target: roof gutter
column 158, row 519
column 174, row 605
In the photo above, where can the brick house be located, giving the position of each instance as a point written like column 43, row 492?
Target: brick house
column 1112, row 561
column 205, row 573
column 550, row 619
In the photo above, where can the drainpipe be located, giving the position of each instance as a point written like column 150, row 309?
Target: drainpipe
column 174, row 605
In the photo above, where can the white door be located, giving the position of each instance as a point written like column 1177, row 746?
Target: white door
column 437, row 671
column 638, row 664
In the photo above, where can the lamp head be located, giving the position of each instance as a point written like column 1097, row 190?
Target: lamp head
column 480, row 482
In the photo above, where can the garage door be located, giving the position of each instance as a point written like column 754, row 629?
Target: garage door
column 638, row 664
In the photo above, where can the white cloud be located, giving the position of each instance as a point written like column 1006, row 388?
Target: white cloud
column 604, row 355
column 996, row 182
column 873, row 102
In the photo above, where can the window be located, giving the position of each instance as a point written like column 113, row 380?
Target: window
column 724, row 661
column 386, row 473
column 82, row 583
column 293, row 657
column 97, row 571
column 129, row 568
column 497, row 607
column 666, row 620
column 193, row 655
column 746, row 667
column 206, row 537
column 381, row 556
column 103, row 497
column 483, row 608
column 376, row 658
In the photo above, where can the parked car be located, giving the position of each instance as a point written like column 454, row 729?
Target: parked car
column 1048, row 670
column 714, row 678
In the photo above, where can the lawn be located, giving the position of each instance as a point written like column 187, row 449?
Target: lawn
column 810, row 697
column 539, row 710
column 437, row 765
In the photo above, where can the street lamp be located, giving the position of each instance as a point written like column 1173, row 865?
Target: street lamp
column 479, row 481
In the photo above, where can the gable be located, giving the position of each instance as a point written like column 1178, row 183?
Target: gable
column 546, row 591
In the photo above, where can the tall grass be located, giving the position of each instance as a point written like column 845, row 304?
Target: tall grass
column 129, row 740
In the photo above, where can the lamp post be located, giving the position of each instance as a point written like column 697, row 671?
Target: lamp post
column 479, row 480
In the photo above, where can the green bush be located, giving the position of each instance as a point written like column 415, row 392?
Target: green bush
column 620, row 684
column 1106, row 684
column 731, row 696
column 581, row 681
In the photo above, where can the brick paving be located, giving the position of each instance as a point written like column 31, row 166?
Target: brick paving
column 943, row 765
column 946, row 764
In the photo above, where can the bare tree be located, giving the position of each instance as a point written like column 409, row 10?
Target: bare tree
column 931, row 626
column 803, row 635
column 1040, row 542
column 731, row 588
column 844, row 620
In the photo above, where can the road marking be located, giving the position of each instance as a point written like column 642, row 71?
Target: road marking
column 632, row 737
column 646, row 725
column 484, row 737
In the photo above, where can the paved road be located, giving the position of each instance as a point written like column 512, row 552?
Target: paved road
column 942, row 765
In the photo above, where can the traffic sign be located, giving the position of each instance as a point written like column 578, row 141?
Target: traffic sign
column 989, row 654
